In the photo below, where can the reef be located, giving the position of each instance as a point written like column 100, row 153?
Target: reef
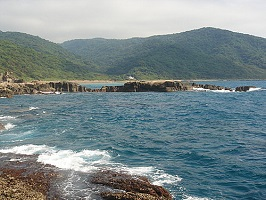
column 23, row 178
column 8, row 89
column 129, row 187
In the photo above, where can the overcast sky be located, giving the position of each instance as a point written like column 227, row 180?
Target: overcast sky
column 61, row 20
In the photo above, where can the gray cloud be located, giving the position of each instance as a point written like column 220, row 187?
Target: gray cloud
column 62, row 20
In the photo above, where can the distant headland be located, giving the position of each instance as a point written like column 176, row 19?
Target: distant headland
column 10, row 86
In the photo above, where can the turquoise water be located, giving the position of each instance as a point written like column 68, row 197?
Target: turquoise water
column 198, row 145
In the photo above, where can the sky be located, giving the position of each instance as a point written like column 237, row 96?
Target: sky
column 62, row 20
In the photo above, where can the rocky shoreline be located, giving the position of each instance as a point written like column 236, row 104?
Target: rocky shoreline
column 23, row 178
column 40, row 87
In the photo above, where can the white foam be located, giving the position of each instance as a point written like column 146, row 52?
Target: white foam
column 208, row 90
column 254, row 89
column 89, row 160
column 201, row 89
column 85, row 160
column 9, row 126
column 162, row 178
column 159, row 177
column 222, row 91
column 6, row 117
column 27, row 149
column 194, row 198
column 138, row 170
column 33, row 108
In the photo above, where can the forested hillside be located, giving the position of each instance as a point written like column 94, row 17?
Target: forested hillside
column 204, row 53
column 30, row 57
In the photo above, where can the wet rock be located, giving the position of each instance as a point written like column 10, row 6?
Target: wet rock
column 39, row 87
column 210, row 87
column 2, row 127
column 4, row 92
column 152, row 86
column 12, row 188
column 130, row 187
column 24, row 178
column 128, row 196
column 244, row 88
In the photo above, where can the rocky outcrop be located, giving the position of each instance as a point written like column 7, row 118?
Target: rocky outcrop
column 12, row 188
column 38, row 87
column 152, row 86
column 2, row 127
column 67, row 87
column 210, row 87
column 244, row 88
column 25, row 178
column 10, row 89
column 129, row 187
column 4, row 92
column 22, row 177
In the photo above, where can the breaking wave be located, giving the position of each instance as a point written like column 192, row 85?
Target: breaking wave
column 88, row 161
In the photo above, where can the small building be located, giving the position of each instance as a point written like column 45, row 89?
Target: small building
column 131, row 78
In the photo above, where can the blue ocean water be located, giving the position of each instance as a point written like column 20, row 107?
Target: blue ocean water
column 198, row 145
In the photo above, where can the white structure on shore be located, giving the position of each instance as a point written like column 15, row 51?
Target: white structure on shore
column 131, row 78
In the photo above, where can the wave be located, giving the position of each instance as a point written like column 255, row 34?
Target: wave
column 84, row 161
column 159, row 177
column 222, row 91
column 33, row 108
column 226, row 91
column 89, row 161
column 4, row 118
column 254, row 89
column 200, row 89
column 7, row 119
column 9, row 126
column 208, row 90
column 194, row 198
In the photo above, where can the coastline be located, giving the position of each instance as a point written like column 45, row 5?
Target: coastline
column 22, row 177
column 8, row 89
column 157, row 80
column 95, row 81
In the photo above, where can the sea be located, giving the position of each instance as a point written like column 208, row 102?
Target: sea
column 199, row 145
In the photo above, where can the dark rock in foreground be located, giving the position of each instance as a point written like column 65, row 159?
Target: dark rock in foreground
column 129, row 187
column 25, row 179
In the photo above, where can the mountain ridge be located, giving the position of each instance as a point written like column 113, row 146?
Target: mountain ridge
column 201, row 53
column 206, row 53
column 31, row 57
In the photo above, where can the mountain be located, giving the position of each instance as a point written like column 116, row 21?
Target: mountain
column 31, row 57
column 205, row 53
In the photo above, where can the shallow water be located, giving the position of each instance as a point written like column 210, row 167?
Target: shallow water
column 198, row 145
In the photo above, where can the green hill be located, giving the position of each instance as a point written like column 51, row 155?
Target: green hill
column 206, row 53
column 31, row 57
